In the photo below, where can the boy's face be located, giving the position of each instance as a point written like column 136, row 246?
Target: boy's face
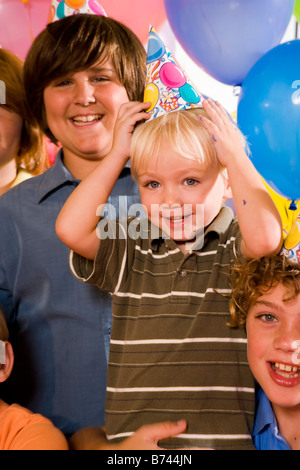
column 179, row 195
column 81, row 110
column 273, row 331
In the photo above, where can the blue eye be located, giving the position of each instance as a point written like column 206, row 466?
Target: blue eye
column 190, row 182
column 152, row 185
column 267, row 317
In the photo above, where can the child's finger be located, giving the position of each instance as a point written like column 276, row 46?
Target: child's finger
column 217, row 112
column 222, row 110
column 163, row 430
column 214, row 112
column 132, row 107
column 209, row 125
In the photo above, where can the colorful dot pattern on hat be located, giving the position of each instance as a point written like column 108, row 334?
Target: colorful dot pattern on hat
column 167, row 86
column 62, row 8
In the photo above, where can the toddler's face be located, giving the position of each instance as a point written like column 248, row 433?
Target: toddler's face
column 179, row 195
column 273, row 331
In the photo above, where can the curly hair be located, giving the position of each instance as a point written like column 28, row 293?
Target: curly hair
column 252, row 278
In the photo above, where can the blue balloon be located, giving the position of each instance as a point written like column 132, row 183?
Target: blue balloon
column 225, row 37
column 268, row 114
column 189, row 93
column 156, row 47
column 60, row 12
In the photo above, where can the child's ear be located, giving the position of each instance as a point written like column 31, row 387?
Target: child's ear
column 5, row 369
column 227, row 189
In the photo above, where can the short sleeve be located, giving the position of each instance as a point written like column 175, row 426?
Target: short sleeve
column 110, row 259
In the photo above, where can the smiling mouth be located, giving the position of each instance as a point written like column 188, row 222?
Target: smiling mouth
column 285, row 370
column 173, row 218
column 84, row 120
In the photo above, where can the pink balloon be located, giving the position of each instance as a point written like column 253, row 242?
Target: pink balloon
column 171, row 75
column 21, row 22
column 96, row 7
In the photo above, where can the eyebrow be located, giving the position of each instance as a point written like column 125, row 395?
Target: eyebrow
column 99, row 69
column 267, row 304
column 185, row 173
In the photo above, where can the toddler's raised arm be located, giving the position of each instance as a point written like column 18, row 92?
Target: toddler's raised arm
column 259, row 220
column 77, row 222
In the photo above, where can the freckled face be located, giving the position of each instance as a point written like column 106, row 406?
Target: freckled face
column 273, row 331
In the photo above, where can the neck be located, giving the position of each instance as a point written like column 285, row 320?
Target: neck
column 78, row 166
column 288, row 420
column 8, row 173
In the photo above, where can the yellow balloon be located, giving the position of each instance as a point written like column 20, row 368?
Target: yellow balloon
column 293, row 237
column 151, row 94
column 287, row 215
column 75, row 3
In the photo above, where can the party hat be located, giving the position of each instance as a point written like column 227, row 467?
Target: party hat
column 291, row 244
column 167, row 87
column 62, row 8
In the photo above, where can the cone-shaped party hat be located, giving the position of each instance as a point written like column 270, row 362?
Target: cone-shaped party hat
column 167, row 87
column 62, row 8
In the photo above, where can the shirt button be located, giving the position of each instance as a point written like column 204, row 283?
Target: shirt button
column 182, row 272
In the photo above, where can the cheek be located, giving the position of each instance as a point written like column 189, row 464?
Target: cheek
column 55, row 105
column 113, row 98
column 151, row 209
column 257, row 348
column 11, row 129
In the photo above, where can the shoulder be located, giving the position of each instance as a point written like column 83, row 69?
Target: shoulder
column 32, row 190
column 19, row 190
column 22, row 175
column 23, row 430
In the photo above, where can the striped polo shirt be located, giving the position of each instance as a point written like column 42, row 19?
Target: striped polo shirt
column 172, row 354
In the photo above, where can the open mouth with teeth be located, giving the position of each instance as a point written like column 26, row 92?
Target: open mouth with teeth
column 177, row 221
column 84, row 120
column 285, row 370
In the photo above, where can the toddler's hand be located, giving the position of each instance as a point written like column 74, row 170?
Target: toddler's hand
column 227, row 139
column 129, row 114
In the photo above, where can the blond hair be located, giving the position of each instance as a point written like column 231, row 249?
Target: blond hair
column 184, row 133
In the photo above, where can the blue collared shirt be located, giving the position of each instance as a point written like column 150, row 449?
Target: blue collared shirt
column 60, row 328
column 266, row 434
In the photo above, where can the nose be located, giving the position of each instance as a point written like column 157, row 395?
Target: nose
column 84, row 94
column 171, row 198
column 288, row 338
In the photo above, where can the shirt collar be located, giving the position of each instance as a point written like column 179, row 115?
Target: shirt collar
column 56, row 176
column 219, row 226
column 264, row 415
column 266, row 423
